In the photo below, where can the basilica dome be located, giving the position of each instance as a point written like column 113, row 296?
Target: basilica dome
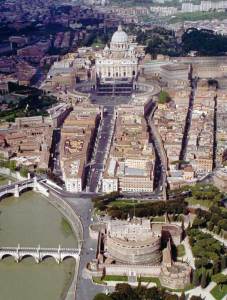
column 120, row 36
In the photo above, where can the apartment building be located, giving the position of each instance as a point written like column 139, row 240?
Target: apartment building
column 131, row 161
column 77, row 140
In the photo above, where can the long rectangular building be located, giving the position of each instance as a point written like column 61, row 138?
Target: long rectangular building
column 77, row 138
column 131, row 160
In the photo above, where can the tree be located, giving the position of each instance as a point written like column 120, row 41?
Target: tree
column 164, row 97
column 210, row 226
column 182, row 296
column 171, row 297
column 124, row 289
column 24, row 171
column 220, row 279
column 196, row 278
column 223, row 262
column 199, row 222
column 196, row 298
column 12, row 165
column 153, row 293
column 216, row 267
column 202, row 262
column 206, row 42
column 204, row 279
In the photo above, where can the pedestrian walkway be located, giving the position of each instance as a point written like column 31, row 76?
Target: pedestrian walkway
column 188, row 257
column 206, row 293
column 217, row 237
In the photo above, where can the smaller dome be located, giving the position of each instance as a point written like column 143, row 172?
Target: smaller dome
column 120, row 36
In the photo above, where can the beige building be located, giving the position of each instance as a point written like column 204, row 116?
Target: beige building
column 130, row 164
column 175, row 75
column 133, row 242
column 133, row 248
column 77, row 139
column 119, row 60
column 29, row 140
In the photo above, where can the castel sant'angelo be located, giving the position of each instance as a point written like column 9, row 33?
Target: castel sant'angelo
column 134, row 248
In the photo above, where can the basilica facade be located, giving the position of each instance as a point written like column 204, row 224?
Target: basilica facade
column 118, row 61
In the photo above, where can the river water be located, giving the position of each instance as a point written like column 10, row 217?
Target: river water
column 29, row 221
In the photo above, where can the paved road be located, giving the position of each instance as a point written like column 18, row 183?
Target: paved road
column 158, row 144
column 86, row 290
column 188, row 257
column 217, row 237
column 102, row 148
column 188, row 121
column 55, row 153
column 215, row 134
column 110, row 100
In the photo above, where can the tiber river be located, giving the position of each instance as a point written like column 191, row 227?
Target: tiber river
column 30, row 220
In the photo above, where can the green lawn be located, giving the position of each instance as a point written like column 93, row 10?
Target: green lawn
column 150, row 279
column 106, row 278
column 158, row 219
column 193, row 201
column 3, row 180
column 115, row 278
column 218, row 292
column 123, row 203
column 180, row 250
column 98, row 280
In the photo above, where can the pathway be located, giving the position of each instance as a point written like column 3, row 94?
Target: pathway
column 188, row 257
column 217, row 237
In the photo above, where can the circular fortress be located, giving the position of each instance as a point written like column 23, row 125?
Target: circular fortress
column 133, row 242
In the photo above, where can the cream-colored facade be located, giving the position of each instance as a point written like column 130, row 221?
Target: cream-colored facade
column 120, row 60
column 131, row 161
column 77, row 139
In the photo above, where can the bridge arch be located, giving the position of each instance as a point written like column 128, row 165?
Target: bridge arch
column 64, row 257
column 48, row 256
column 6, row 194
column 26, row 255
column 23, row 189
column 7, row 255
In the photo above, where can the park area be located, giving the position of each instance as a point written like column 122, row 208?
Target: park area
column 22, row 101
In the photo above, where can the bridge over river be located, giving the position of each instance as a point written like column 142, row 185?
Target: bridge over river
column 38, row 253
column 17, row 187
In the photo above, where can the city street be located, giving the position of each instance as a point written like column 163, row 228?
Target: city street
column 101, row 149
column 86, row 290
column 188, row 120
column 161, row 163
column 55, row 152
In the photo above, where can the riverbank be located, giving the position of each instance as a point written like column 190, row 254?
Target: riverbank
column 71, row 217
column 31, row 220
column 67, row 211
column 4, row 180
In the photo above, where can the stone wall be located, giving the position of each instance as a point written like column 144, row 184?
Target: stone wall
column 178, row 276
column 172, row 231
column 138, row 270
column 78, row 230
column 143, row 252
